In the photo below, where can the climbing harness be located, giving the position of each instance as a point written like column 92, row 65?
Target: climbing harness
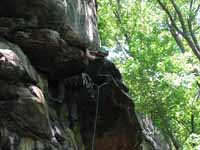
column 96, row 113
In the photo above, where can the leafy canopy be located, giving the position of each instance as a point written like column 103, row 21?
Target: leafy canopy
column 161, row 78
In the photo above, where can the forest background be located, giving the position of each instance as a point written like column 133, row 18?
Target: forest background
column 155, row 43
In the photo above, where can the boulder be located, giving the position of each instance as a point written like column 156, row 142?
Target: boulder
column 154, row 139
column 107, row 107
column 74, row 17
column 49, row 53
column 17, row 103
column 14, row 65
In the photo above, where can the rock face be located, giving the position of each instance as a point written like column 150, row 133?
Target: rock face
column 53, row 96
column 153, row 139
column 75, row 20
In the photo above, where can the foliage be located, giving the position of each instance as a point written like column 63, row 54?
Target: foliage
column 192, row 143
column 182, row 22
column 156, row 71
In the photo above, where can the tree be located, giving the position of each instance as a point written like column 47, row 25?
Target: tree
column 159, row 69
column 182, row 21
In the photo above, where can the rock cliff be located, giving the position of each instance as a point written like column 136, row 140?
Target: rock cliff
column 57, row 90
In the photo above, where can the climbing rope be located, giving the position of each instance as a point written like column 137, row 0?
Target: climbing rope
column 96, row 113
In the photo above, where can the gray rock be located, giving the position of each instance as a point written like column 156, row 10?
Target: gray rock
column 59, row 15
column 14, row 65
column 81, row 23
column 154, row 138
column 49, row 53
column 23, row 109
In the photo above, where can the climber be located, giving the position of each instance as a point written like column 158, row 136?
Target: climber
column 57, row 88
column 82, row 80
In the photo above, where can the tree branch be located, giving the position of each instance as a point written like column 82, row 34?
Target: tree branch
column 189, row 36
column 166, row 122
column 170, row 17
column 196, row 11
column 180, row 16
column 191, row 4
column 124, row 31
column 193, row 35
column 176, row 37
